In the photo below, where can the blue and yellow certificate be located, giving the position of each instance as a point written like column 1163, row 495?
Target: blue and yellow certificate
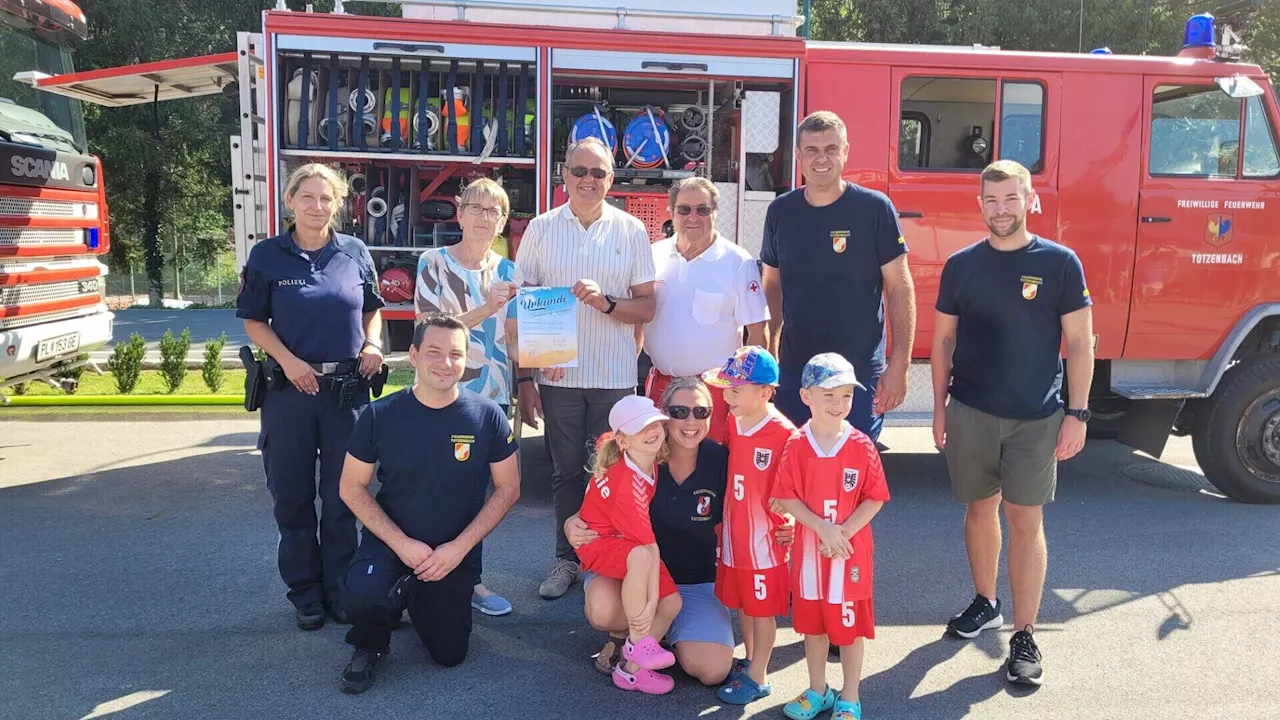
column 547, row 325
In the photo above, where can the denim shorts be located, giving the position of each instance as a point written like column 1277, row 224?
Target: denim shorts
column 702, row 617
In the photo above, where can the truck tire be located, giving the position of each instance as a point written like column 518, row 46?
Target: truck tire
column 1236, row 436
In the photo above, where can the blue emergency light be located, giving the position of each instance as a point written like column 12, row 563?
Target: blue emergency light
column 91, row 238
column 1100, row 51
column 1200, row 32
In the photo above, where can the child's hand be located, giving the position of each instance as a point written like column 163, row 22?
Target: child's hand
column 833, row 541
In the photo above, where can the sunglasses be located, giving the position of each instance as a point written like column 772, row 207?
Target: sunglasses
column 703, row 210
column 581, row 171
column 681, row 412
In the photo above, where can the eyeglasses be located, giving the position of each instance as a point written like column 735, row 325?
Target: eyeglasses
column 703, row 210
column 681, row 412
column 581, row 171
column 492, row 213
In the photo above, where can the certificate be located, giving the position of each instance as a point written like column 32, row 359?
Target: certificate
column 547, row 326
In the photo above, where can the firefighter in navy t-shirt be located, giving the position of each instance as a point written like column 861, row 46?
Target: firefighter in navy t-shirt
column 832, row 253
column 434, row 445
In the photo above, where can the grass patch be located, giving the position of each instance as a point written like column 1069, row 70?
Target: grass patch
column 152, row 383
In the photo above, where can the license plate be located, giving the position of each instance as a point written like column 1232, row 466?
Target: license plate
column 56, row 346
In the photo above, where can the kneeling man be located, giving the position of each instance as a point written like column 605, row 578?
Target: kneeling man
column 434, row 445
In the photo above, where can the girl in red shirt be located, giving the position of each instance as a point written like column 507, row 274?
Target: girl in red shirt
column 616, row 507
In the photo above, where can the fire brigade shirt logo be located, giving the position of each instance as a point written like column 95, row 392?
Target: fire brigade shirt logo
column 855, row 574
column 1031, row 286
column 850, row 479
column 839, row 240
column 1218, row 230
column 704, row 506
column 462, row 447
column 763, row 457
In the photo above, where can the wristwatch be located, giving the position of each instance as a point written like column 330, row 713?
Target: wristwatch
column 1081, row 415
column 612, row 304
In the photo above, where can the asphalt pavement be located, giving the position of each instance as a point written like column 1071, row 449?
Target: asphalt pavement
column 139, row 581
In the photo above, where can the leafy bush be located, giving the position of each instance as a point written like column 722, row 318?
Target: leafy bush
column 212, row 368
column 125, row 363
column 173, row 358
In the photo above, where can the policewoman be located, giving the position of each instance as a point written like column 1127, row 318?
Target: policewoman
column 309, row 298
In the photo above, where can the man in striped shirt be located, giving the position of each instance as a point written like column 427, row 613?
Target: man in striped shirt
column 603, row 254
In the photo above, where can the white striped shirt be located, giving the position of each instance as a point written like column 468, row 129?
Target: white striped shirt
column 556, row 251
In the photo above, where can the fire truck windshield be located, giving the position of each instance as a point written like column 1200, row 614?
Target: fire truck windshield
column 26, row 114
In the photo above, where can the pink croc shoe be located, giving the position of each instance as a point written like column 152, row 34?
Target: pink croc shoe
column 648, row 654
column 646, row 681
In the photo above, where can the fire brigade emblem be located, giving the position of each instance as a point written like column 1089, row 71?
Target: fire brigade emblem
column 1029, row 290
column 854, row 574
column 850, row 479
column 839, row 240
column 704, row 506
column 1218, row 230
column 461, row 451
column 763, row 457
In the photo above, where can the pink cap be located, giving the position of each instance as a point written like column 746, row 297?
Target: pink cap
column 633, row 413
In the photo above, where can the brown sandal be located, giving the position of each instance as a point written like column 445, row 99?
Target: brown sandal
column 610, row 655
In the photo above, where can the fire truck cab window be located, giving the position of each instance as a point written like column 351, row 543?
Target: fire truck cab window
column 1259, row 141
column 958, row 114
column 1195, row 130
column 1022, row 124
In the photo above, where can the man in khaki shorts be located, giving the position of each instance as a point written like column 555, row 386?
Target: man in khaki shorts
column 1004, row 305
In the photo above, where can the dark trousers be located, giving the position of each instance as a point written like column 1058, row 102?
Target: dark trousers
column 440, row 611
column 860, row 415
column 575, row 418
column 299, row 430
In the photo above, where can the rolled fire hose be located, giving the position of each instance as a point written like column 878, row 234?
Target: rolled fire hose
column 295, row 85
column 337, row 123
column 369, row 125
column 433, row 127
column 397, row 216
column 357, row 183
column 370, row 101
column 377, row 206
column 693, row 118
column 693, row 148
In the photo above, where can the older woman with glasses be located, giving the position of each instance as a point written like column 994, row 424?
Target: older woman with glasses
column 685, row 511
column 474, row 283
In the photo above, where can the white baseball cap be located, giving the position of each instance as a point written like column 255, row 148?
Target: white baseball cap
column 634, row 413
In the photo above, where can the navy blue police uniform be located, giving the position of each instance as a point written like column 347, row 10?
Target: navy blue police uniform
column 829, row 259
column 433, row 467
column 315, row 303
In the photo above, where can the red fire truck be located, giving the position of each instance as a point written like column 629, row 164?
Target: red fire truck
column 1161, row 172
column 53, row 211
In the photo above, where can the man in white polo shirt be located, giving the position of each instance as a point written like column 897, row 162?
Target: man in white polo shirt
column 603, row 254
column 708, row 290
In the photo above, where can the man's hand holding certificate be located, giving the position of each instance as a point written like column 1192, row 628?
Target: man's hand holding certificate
column 547, row 327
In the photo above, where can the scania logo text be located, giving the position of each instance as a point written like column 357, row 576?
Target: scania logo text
column 30, row 167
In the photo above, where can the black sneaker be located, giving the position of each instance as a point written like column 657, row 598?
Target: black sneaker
column 979, row 616
column 1024, row 659
column 310, row 617
column 357, row 676
column 337, row 614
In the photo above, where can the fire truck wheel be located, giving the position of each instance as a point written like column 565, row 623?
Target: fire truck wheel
column 1236, row 437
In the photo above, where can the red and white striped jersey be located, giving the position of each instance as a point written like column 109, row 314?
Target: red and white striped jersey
column 617, row 505
column 832, row 485
column 747, row 529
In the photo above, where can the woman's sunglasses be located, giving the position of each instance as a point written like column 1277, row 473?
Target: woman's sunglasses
column 581, row 171
column 681, row 412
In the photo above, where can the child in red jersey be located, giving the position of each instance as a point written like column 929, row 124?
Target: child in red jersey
column 831, row 480
column 752, row 574
column 616, row 506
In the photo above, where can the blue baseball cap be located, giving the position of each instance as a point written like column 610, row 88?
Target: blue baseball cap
column 751, row 365
column 827, row 371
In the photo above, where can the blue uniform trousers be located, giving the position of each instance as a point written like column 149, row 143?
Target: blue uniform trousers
column 299, row 430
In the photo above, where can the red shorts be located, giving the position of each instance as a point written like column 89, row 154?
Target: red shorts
column 757, row 593
column 607, row 556
column 842, row 624
column 657, row 383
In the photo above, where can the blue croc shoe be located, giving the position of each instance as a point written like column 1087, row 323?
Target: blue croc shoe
column 741, row 690
column 846, row 710
column 494, row 605
column 809, row 705
column 739, row 667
